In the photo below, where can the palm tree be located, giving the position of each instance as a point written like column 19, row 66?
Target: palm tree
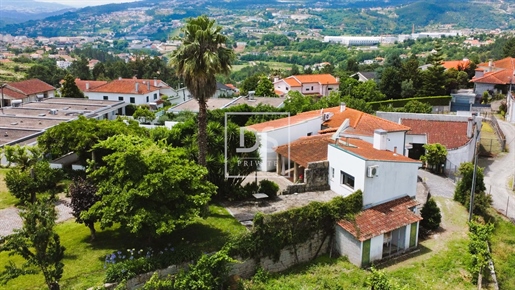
column 201, row 56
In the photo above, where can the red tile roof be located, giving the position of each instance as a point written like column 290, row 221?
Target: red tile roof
column 31, row 87
column 81, row 84
column 450, row 134
column 323, row 79
column 306, row 149
column 501, row 77
column 367, row 151
column 13, row 94
column 126, row 86
column 505, row 63
column 382, row 219
column 360, row 123
column 456, row 64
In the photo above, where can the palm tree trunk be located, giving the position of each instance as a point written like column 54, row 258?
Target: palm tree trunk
column 202, row 128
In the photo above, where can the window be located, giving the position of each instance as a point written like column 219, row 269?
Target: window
column 311, row 87
column 287, row 89
column 155, row 96
column 133, row 100
column 147, row 99
column 309, row 134
column 329, row 89
column 120, row 98
column 347, row 179
column 106, row 98
column 332, row 172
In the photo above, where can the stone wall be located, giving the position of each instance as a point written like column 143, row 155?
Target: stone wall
column 316, row 178
column 346, row 245
column 289, row 257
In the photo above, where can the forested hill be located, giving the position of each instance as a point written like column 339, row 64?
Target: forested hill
column 153, row 18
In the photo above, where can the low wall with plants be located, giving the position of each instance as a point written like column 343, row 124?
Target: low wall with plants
column 433, row 101
column 316, row 177
column 275, row 243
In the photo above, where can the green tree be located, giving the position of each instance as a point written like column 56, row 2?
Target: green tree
column 38, row 244
column 144, row 114
column 435, row 156
column 509, row 47
column 149, row 189
column 379, row 281
column 482, row 201
column 391, row 83
column 69, row 88
column 79, row 69
column 202, row 55
column 297, row 103
column 414, row 106
column 480, row 235
column 407, row 89
column 249, row 84
column 98, row 70
column 431, row 215
column 265, row 88
column 434, row 77
column 295, row 70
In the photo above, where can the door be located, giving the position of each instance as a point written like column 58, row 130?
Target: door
column 365, row 256
column 413, row 235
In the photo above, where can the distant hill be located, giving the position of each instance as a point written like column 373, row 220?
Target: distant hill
column 16, row 11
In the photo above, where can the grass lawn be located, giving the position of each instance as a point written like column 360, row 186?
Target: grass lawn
column 441, row 263
column 84, row 260
column 6, row 199
column 489, row 141
column 503, row 253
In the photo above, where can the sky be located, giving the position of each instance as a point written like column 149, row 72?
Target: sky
column 84, row 3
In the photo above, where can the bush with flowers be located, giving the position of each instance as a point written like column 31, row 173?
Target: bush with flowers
column 129, row 263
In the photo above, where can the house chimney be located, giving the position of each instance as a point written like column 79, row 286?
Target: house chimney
column 469, row 127
column 394, row 149
column 155, row 82
column 343, row 106
column 137, row 87
column 380, row 139
column 120, row 78
column 276, row 79
column 87, row 86
column 148, row 86
column 338, row 79
column 490, row 65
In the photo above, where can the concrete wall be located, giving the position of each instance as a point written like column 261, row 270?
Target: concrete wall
column 393, row 140
column 480, row 88
column 376, row 248
column 316, row 176
column 395, row 117
column 462, row 154
column 393, row 180
column 350, row 164
column 346, row 245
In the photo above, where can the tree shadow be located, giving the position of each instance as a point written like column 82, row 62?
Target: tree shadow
column 485, row 163
column 392, row 260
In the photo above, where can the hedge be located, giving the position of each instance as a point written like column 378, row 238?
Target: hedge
column 433, row 101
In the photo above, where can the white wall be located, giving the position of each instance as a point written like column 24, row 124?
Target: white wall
column 342, row 161
column 393, row 180
column 480, row 88
column 281, row 136
column 139, row 99
column 393, row 139
column 416, row 139
column 346, row 245
column 376, row 248
column 462, row 154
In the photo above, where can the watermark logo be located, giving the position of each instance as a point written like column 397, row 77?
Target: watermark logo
column 247, row 148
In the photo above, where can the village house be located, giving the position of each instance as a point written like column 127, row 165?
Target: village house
column 321, row 84
column 27, row 91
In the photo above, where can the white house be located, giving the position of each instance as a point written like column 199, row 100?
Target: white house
column 510, row 102
column 342, row 120
column 388, row 224
column 133, row 91
column 321, row 84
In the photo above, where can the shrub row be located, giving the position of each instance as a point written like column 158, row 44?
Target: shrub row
column 433, row 101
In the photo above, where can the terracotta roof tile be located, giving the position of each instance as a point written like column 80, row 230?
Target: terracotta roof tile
column 360, row 123
column 505, row 63
column 500, row 77
column 126, row 86
column 450, row 134
column 367, row 151
column 82, row 84
column 292, row 82
column 382, row 219
column 13, row 94
column 324, row 79
column 31, row 87
column 456, row 64
column 306, row 149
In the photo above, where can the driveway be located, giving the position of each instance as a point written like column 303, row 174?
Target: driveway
column 499, row 171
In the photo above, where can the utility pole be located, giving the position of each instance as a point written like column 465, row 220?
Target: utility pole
column 473, row 189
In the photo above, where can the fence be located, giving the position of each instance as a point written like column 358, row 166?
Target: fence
column 451, row 170
column 498, row 131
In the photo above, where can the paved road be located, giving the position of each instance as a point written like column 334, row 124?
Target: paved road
column 438, row 185
column 499, row 171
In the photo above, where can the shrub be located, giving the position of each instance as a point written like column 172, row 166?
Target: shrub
column 157, row 284
column 268, row 187
column 431, row 215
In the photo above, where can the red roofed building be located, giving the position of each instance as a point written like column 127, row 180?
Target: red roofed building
column 133, row 91
column 26, row 91
column 494, row 75
column 86, row 85
column 456, row 64
column 321, row 84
